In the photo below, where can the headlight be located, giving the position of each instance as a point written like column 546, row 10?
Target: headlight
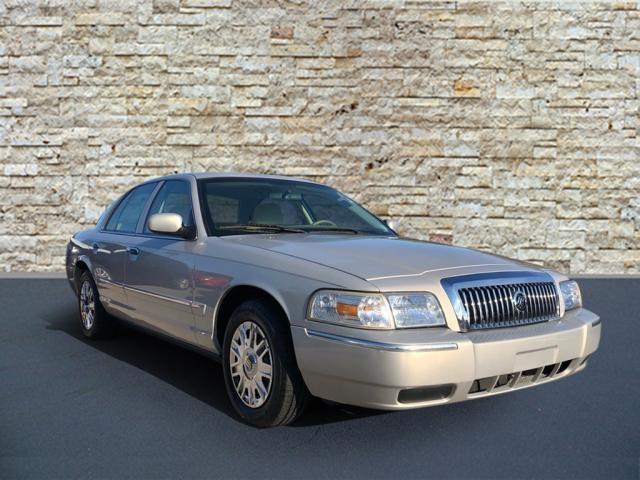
column 354, row 310
column 376, row 310
column 571, row 294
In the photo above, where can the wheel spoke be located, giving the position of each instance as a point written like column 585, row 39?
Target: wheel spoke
column 263, row 350
column 243, row 335
column 254, row 335
column 265, row 369
column 249, row 395
column 261, row 389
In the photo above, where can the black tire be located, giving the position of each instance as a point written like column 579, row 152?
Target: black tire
column 102, row 324
column 288, row 395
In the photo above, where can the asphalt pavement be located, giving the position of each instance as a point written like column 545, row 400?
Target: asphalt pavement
column 138, row 407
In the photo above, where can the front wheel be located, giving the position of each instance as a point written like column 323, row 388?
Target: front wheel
column 261, row 376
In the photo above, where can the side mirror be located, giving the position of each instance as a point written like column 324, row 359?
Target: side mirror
column 170, row 224
column 393, row 224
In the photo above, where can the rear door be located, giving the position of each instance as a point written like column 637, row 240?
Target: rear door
column 159, row 268
column 109, row 247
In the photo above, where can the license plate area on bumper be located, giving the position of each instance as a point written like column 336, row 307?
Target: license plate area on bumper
column 534, row 359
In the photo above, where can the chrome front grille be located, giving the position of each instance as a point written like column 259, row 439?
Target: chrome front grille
column 504, row 299
column 501, row 305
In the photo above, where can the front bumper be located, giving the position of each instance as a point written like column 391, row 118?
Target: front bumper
column 403, row 369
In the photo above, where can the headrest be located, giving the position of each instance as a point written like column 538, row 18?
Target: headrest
column 267, row 213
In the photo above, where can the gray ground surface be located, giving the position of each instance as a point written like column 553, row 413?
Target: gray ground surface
column 137, row 406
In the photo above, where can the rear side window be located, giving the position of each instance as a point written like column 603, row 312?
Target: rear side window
column 125, row 217
column 173, row 197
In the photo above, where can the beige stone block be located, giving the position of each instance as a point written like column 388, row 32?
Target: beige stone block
column 104, row 18
column 182, row 121
column 40, row 21
column 182, row 19
column 465, row 88
column 207, row 3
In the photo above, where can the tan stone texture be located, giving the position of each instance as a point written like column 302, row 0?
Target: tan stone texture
column 506, row 126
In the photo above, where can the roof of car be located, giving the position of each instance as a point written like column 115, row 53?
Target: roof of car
column 205, row 175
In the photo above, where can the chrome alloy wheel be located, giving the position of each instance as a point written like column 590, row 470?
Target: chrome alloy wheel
column 87, row 305
column 251, row 364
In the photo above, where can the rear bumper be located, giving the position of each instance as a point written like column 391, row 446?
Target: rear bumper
column 422, row 367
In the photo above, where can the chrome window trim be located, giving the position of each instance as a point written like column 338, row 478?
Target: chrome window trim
column 142, row 221
column 144, row 235
column 389, row 347
column 452, row 285
column 143, row 216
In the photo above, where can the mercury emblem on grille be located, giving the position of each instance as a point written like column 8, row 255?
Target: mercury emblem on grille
column 519, row 300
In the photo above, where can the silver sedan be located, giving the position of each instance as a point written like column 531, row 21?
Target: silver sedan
column 300, row 291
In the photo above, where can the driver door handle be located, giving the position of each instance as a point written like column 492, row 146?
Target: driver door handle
column 133, row 250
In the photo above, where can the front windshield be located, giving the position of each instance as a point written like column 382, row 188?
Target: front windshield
column 233, row 206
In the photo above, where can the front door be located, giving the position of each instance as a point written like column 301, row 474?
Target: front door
column 159, row 268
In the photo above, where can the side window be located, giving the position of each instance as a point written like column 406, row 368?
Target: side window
column 125, row 217
column 173, row 197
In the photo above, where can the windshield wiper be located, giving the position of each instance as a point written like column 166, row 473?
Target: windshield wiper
column 260, row 227
column 334, row 229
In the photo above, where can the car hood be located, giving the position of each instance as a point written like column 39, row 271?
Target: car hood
column 374, row 258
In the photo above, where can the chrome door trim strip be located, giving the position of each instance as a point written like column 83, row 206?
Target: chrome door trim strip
column 200, row 306
column 160, row 297
column 390, row 347
column 186, row 303
column 115, row 284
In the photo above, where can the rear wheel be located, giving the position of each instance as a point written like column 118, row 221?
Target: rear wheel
column 94, row 320
column 261, row 376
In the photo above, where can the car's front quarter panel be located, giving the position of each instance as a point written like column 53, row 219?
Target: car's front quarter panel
column 222, row 264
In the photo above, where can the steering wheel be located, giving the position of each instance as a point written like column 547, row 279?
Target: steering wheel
column 326, row 223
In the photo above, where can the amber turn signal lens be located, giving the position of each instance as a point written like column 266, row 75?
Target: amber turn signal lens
column 346, row 309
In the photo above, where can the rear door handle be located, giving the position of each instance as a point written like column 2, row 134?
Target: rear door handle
column 133, row 250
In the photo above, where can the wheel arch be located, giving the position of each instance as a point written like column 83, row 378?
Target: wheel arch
column 232, row 298
column 82, row 265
